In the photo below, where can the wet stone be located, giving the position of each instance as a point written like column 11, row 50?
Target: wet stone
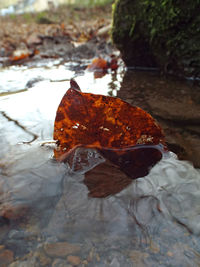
column 114, row 263
column 28, row 263
column 19, row 243
column 173, row 103
column 57, row 46
column 33, row 81
column 74, row 260
column 138, row 257
column 173, row 110
column 12, row 212
column 85, row 262
column 43, row 259
column 2, row 247
column 6, row 257
column 60, row 249
column 60, row 263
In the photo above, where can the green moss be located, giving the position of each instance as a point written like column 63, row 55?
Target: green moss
column 12, row 16
column 126, row 34
column 122, row 25
column 28, row 17
column 170, row 30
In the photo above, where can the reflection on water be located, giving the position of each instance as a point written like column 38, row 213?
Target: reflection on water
column 47, row 218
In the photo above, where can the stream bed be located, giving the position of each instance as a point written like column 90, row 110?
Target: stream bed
column 46, row 216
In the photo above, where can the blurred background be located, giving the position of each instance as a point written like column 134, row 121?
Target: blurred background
column 22, row 6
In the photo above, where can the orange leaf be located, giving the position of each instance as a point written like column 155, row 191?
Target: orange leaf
column 36, row 52
column 99, row 64
column 117, row 129
column 62, row 26
column 20, row 57
column 125, row 135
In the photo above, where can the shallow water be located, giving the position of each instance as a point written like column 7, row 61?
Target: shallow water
column 154, row 221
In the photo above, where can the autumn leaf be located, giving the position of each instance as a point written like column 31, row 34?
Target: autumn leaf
column 98, row 64
column 19, row 57
column 126, row 135
column 105, row 179
column 119, row 170
column 99, row 67
column 113, row 64
column 102, row 122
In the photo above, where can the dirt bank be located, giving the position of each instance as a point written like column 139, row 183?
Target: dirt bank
column 25, row 36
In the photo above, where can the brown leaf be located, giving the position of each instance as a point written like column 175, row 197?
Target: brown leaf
column 102, row 122
column 113, row 64
column 125, row 135
column 19, row 57
column 98, row 64
column 135, row 161
column 105, row 179
column 74, row 85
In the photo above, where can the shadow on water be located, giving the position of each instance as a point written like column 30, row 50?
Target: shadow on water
column 47, row 218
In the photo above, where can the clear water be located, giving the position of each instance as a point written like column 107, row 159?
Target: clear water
column 152, row 222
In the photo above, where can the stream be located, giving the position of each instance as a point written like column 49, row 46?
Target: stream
column 46, row 216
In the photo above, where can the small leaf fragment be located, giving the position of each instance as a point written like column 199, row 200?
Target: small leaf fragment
column 98, row 64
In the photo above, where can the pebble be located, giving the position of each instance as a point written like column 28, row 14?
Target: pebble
column 85, row 262
column 138, row 257
column 154, row 247
column 74, row 260
column 114, row 263
column 2, row 247
column 9, row 211
column 97, row 257
column 60, row 249
column 6, row 257
column 60, row 263
column 170, row 254
column 29, row 263
column 91, row 255
column 43, row 259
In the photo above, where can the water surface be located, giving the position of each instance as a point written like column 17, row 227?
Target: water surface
column 45, row 205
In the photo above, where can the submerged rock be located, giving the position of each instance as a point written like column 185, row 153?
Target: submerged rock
column 61, row 249
column 158, row 33
column 175, row 105
column 6, row 257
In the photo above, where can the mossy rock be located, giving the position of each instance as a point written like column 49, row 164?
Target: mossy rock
column 159, row 33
